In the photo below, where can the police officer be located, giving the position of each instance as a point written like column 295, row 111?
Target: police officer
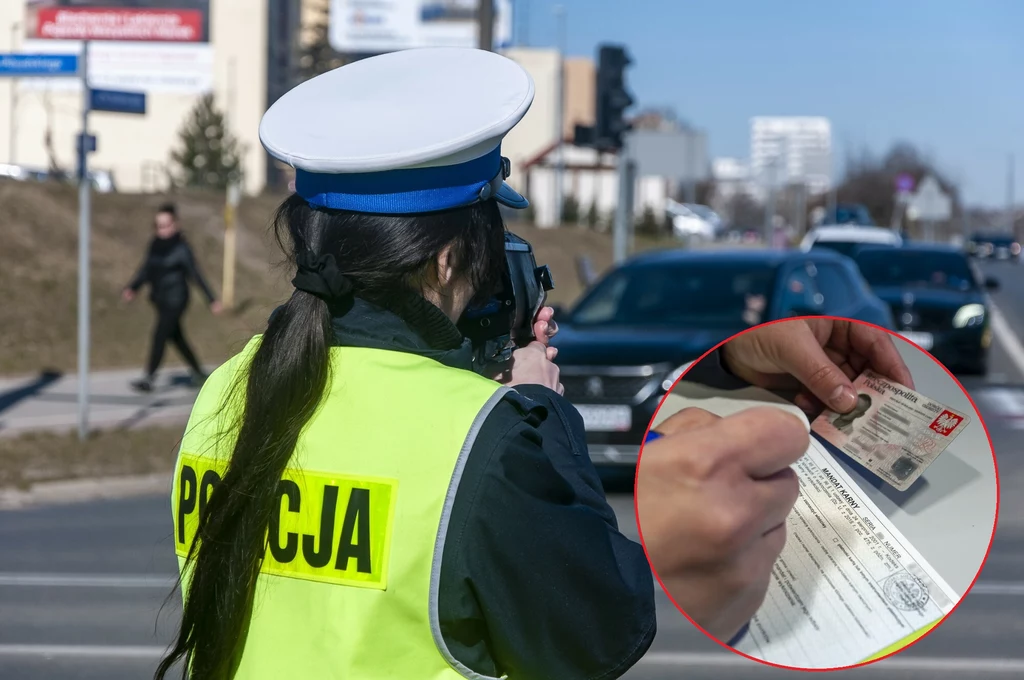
column 350, row 499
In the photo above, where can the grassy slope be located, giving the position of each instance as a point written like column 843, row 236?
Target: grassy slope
column 38, row 274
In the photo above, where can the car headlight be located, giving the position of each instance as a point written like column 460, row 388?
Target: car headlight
column 969, row 316
column 672, row 377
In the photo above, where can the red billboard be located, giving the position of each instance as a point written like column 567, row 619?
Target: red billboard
column 149, row 25
column 150, row 45
column 162, row 21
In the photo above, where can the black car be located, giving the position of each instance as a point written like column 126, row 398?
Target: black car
column 994, row 246
column 937, row 299
column 625, row 342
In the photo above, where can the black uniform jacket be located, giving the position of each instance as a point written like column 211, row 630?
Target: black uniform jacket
column 168, row 267
column 536, row 581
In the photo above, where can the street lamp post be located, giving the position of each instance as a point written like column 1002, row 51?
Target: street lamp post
column 560, row 119
column 486, row 14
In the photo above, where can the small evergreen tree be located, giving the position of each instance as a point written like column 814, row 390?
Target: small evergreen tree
column 593, row 216
column 208, row 156
column 570, row 210
column 649, row 223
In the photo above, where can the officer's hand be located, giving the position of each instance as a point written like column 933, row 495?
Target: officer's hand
column 818, row 356
column 531, row 366
column 712, row 499
column 544, row 329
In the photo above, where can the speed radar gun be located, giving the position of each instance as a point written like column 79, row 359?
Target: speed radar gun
column 497, row 328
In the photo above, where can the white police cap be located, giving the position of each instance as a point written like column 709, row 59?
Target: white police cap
column 406, row 132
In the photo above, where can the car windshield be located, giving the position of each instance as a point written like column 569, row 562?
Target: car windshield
column 900, row 267
column 848, row 248
column 851, row 214
column 690, row 294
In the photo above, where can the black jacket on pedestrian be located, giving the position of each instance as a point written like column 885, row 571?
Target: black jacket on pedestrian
column 168, row 268
column 536, row 580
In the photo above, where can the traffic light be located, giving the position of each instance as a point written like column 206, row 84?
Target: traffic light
column 612, row 97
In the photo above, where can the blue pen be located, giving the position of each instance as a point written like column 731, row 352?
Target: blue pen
column 651, row 436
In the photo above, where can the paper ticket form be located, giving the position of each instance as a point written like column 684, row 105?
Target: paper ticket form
column 894, row 432
column 848, row 586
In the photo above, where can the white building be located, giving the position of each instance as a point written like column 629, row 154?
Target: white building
column 231, row 60
column 790, row 150
column 592, row 178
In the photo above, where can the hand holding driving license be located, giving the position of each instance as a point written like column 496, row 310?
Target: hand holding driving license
column 819, row 356
column 894, row 432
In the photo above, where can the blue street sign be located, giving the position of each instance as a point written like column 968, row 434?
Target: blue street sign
column 117, row 101
column 90, row 143
column 38, row 65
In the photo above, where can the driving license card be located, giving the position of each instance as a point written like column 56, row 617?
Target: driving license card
column 894, row 431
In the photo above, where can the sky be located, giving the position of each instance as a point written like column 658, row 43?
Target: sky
column 944, row 75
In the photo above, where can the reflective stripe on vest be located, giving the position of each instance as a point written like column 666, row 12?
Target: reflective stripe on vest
column 348, row 587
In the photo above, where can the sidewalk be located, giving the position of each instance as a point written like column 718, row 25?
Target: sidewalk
column 49, row 402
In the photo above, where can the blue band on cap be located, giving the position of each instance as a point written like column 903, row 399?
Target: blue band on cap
column 400, row 192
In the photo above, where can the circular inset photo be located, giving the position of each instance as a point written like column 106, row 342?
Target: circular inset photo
column 817, row 493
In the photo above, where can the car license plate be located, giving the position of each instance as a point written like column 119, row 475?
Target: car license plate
column 598, row 418
column 925, row 340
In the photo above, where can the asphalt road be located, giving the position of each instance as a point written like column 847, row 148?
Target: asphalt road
column 84, row 588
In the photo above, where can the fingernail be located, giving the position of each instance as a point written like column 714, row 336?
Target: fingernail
column 803, row 403
column 844, row 398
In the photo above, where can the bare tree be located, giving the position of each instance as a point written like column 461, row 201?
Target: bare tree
column 871, row 181
column 742, row 211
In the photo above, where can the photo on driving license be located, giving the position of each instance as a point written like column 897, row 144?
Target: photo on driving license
column 510, row 339
column 847, row 489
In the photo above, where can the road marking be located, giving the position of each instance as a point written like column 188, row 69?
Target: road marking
column 83, row 651
column 997, row 588
column 902, row 663
column 168, row 581
column 1007, row 338
column 87, row 581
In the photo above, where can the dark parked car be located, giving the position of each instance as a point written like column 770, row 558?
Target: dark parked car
column 994, row 246
column 627, row 339
column 938, row 300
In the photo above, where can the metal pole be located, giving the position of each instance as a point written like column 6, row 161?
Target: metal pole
column 1010, row 196
column 230, row 244
column 560, row 119
column 524, row 23
column 486, row 13
column 84, row 196
column 801, row 209
column 623, row 213
column 13, row 122
column 769, row 207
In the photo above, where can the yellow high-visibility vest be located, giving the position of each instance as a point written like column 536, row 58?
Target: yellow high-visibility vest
column 348, row 587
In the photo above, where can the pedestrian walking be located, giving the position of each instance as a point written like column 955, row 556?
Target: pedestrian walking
column 168, row 268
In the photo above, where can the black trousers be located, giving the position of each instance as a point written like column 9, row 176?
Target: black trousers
column 168, row 327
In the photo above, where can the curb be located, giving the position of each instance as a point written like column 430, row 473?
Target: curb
column 67, row 492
